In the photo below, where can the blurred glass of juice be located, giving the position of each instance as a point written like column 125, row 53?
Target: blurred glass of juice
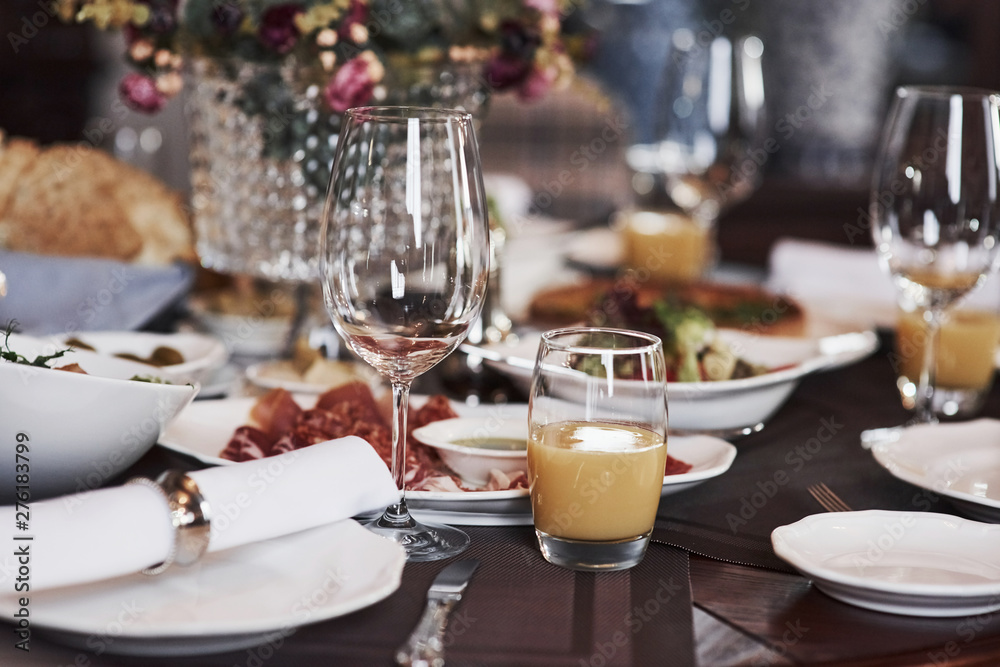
column 672, row 247
column 967, row 346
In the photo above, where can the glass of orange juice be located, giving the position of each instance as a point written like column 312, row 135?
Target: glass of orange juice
column 597, row 445
column 965, row 359
column 672, row 247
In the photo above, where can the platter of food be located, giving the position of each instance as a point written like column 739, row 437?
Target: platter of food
column 734, row 354
column 218, row 432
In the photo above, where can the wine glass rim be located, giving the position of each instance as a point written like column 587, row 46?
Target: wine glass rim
column 644, row 342
column 946, row 91
column 404, row 113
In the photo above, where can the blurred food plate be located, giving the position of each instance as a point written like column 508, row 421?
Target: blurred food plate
column 725, row 407
column 192, row 356
column 311, row 377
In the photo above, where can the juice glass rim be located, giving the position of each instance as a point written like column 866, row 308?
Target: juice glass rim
column 649, row 342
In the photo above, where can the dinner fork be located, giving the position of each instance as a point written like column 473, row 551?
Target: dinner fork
column 830, row 501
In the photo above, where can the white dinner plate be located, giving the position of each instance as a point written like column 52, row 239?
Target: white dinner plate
column 724, row 408
column 227, row 601
column 959, row 460
column 910, row 563
column 203, row 429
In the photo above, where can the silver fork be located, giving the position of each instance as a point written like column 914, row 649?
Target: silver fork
column 830, row 501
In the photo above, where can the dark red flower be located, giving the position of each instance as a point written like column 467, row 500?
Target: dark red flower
column 139, row 92
column 505, row 71
column 278, row 31
column 513, row 63
column 351, row 86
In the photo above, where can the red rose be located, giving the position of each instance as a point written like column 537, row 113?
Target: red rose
column 351, row 86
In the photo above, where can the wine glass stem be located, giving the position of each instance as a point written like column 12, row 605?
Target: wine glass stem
column 398, row 514
column 928, row 370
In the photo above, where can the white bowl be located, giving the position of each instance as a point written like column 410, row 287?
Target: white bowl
column 203, row 354
column 724, row 408
column 474, row 462
column 77, row 432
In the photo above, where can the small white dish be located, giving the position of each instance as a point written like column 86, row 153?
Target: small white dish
column 281, row 374
column 75, row 432
column 728, row 407
column 908, row 563
column 203, row 354
column 209, row 607
column 473, row 447
column 959, row 460
column 203, row 428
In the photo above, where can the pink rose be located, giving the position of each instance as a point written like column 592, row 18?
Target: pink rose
column 351, row 86
column 140, row 93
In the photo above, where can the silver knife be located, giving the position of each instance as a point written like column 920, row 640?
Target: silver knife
column 425, row 646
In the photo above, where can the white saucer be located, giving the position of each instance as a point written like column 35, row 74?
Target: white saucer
column 909, row 563
column 959, row 460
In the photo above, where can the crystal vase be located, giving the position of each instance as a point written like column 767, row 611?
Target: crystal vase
column 262, row 146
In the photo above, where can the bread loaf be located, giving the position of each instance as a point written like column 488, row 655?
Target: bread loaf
column 76, row 200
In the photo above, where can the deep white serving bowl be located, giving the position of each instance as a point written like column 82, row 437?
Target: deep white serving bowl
column 204, row 354
column 725, row 408
column 77, row 432
column 474, row 463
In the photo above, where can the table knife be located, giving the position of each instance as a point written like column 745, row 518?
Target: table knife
column 425, row 645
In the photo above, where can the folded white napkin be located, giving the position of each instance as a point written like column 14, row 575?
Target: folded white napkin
column 58, row 295
column 845, row 283
column 121, row 530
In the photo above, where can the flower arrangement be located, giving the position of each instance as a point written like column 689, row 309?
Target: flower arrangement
column 522, row 45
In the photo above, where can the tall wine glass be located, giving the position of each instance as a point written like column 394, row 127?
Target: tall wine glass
column 708, row 149
column 935, row 206
column 404, row 261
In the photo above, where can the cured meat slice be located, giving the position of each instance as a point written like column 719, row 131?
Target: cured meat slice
column 275, row 412
column 247, row 444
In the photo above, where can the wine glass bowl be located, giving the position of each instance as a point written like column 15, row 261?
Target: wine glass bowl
column 935, row 207
column 404, row 261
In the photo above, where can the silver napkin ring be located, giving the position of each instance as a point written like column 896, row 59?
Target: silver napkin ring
column 189, row 514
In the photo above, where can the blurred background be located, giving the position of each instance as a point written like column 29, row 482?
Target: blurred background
column 829, row 70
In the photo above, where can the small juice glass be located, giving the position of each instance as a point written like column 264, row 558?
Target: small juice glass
column 597, row 445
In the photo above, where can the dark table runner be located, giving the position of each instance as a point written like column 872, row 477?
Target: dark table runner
column 518, row 610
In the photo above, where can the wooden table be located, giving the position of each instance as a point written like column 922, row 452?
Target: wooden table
column 677, row 607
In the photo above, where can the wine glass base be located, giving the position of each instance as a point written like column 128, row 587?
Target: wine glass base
column 422, row 542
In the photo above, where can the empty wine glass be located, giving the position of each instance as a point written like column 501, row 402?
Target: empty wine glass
column 710, row 130
column 404, row 261
column 934, row 205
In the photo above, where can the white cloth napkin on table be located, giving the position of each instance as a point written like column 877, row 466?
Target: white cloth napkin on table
column 116, row 531
column 848, row 284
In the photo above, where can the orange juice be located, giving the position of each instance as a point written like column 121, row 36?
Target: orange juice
column 595, row 481
column 672, row 247
column 967, row 344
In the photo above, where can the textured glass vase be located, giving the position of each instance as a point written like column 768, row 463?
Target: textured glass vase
column 261, row 152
